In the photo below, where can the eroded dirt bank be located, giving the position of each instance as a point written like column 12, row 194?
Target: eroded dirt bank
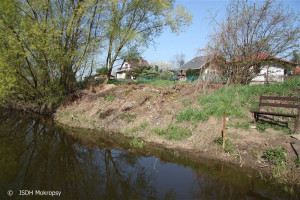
column 137, row 110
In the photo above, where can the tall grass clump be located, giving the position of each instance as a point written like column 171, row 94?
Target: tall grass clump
column 237, row 100
column 191, row 114
column 173, row 132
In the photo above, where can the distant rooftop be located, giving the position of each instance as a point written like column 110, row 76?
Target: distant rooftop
column 195, row 63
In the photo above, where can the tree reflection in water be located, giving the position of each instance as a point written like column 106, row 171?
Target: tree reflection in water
column 35, row 154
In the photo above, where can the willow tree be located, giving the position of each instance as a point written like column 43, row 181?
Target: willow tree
column 45, row 43
column 134, row 24
column 249, row 29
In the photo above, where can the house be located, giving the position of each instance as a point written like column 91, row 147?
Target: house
column 276, row 71
column 200, row 63
column 129, row 66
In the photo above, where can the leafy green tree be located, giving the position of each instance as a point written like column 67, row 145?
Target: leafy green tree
column 102, row 70
column 44, row 44
column 296, row 57
column 136, row 23
column 140, row 71
column 166, row 75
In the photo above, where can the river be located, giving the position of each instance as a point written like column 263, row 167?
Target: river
column 38, row 158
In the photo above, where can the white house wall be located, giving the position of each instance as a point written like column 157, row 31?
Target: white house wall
column 275, row 74
column 121, row 75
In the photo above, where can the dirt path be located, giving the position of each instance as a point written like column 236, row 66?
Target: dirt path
column 137, row 110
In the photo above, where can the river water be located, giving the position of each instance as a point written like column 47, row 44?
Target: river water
column 37, row 155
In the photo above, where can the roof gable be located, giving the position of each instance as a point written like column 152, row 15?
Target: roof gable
column 195, row 63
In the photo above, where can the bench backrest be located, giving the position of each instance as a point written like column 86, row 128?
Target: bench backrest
column 286, row 101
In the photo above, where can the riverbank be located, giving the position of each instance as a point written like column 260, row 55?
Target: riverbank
column 177, row 118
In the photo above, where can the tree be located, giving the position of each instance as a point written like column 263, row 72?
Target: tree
column 134, row 24
column 296, row 57
column 249, row 29
column 192, row 72
column 102, row 70
column 178, row 60
column 45, row 44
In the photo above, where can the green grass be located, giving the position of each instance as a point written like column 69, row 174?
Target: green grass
column 66, row 113
column 186, row 103
column 228, row 144
column 164, row 83
column 109, row 98
column 237, row 100
column 261, row 127
column 144, row 125
column 128, row 117
column 275, row 155
column 191, row 114
column 135, row 129
column 173, row 132
column 241, row 125
column 135, row 142
column 116, row 82
column 128, row 91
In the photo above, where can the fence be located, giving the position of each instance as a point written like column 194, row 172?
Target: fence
column 189, row 79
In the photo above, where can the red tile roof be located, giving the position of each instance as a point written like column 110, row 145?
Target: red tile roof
column 262, row 56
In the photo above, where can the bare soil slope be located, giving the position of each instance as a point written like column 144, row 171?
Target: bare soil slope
column 136, row 110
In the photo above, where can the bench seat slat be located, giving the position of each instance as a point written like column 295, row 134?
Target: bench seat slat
column 273, row 113
column 280, row 98
column 281, row 105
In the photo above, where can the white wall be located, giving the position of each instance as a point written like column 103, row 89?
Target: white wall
column 275, row 74
column 121, row 75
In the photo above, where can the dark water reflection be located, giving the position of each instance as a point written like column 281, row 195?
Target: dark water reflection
column 36, row 155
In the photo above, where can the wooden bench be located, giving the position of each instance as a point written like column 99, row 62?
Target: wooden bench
column 285, row 102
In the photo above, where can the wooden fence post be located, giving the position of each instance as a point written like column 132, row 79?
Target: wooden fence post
column 223, row 133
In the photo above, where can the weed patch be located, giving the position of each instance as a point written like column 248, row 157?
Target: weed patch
column 135, row 129
column 261, row 127
column 173, row 132
column 242, row 125
column 135, row 142
column 191, row 114
column 128, row 117
column 237, row 100
column 229, row 148
column 275, row 155
column 128, row 92
column 109, row 98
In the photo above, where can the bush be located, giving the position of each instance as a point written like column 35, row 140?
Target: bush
column 166, row 75
column 192, row 72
